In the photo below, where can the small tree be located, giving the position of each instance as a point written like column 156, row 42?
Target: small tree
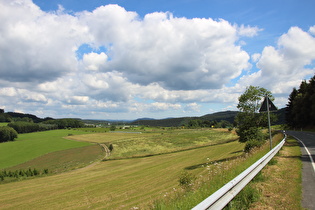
column 7, row 134
column 248, row 119
column 112, row 128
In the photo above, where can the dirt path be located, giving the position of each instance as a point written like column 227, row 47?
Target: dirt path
column 106, row 150
column 107, row 154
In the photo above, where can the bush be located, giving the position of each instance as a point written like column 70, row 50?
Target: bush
column 7, row 134
column 244, row 199
column 111, row 147
column 186, row 180
column 252, row 144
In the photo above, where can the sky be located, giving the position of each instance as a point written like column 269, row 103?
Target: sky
column 129, row 59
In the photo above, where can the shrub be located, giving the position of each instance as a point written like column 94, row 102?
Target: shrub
column 244, row 199
column 252, row 144
column 111, row 147
column 7, row 134
column 186, row 180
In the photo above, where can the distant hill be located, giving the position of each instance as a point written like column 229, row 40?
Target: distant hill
column 169, row 122
column 218, row 116
column 21, row 115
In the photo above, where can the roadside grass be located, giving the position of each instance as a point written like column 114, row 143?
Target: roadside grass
column 32, row 145
column 218, row 175
column 128, row 145
column 116, row 184
column 282, row 187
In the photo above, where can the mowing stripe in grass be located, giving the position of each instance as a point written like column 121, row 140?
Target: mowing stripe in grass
column 117, row 184
column 31, row 145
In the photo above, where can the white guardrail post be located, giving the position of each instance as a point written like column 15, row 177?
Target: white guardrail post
column 224, row 195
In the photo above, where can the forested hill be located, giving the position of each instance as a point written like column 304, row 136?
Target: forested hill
column 218, row 116
column 169, row 122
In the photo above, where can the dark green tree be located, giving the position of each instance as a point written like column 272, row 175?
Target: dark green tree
column 300, row 110
column 7, row 134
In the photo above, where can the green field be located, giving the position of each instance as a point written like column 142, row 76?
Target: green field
column 135, row 144
column 32, row 145
column 116, row 184
column 210, row 155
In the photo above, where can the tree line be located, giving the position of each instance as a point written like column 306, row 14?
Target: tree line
column 10, row 132
column 200, row 123
column 21, row 173
column 300, row 110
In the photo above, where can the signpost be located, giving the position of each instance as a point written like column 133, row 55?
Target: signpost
column 268, row 106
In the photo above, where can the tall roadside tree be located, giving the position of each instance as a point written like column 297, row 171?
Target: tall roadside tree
column 300, row 110
column 248, row 120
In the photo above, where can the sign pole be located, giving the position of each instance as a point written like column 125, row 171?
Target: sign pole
column 269, row 127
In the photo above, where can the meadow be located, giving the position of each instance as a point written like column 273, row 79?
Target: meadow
column 132, row 180
column 158, row 141
column 32, row 145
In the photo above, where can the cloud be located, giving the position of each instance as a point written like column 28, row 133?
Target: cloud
column 94, row 61
column 194, row 107
column 283, row 67
column 111, row 60
column 36, row 46
column 177, row 53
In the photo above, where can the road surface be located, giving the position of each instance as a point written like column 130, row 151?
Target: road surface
column 307, row 142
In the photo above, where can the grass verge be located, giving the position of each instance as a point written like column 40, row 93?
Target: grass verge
column 282, row 188
column 219, row 173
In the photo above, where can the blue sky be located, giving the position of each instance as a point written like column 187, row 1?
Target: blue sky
column 128, row 59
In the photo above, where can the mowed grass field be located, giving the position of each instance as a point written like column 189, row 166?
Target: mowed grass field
column 124, row 183
column 32, row 145
column 113, row 184
column 137, row 144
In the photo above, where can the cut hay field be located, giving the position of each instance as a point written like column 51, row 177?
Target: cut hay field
column 32, row 145
column 114, row 184
column 130, row 144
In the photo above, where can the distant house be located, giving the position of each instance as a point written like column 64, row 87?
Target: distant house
column 1, row 111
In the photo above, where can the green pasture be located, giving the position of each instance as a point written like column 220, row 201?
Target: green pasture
column 32, row 145
column 210, row 155
column 157, row 142
column 64, row 160
column 115, row 184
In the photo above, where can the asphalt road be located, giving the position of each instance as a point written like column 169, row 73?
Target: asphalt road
column 307, row 142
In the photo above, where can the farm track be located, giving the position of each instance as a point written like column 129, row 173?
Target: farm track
column 107, row 154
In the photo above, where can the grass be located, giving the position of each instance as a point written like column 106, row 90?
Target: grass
column 3, row 124
column 157, row 142
column 64, row 160
column 32, row 145
column 136, row 183
column 218, row 174
column 116, row 184
column 282, row 188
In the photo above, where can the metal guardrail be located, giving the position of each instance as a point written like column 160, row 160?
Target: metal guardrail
column 224, row 195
